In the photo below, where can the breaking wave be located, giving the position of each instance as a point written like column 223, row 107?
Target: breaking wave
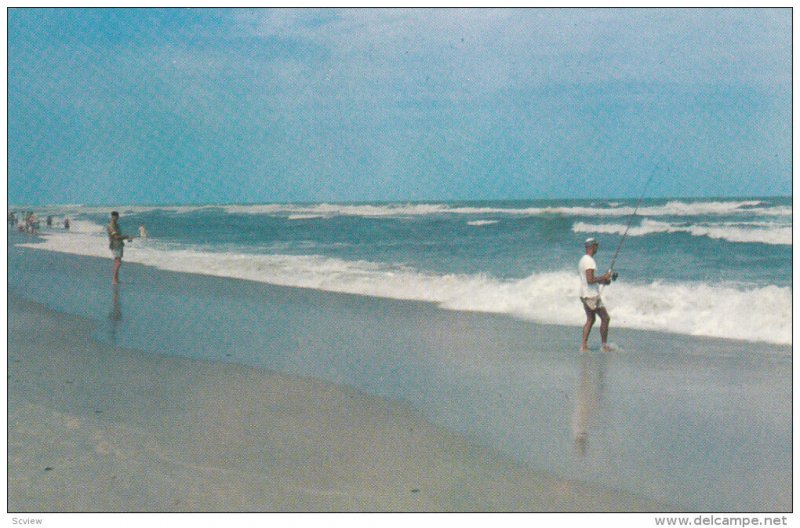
column 703, row 309
column 327, row 210
column 745, row 232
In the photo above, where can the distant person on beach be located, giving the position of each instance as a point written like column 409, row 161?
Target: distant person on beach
column 29, row 222
column 116, row 242
column 142, row 231
column 49, row 221
column 66, row 223
column 33, row 220
column 590, row 295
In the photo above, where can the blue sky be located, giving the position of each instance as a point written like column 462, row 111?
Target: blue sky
column 116, row 106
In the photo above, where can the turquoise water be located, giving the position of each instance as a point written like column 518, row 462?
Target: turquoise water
column 469, row 312
column 693, row 267
column 504, row 239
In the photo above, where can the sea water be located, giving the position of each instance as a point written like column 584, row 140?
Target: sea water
column 469, row 312
column 702, row 267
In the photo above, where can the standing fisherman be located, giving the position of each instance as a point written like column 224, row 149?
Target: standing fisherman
column 116, row 241
column 590, row 291
column 590, row 295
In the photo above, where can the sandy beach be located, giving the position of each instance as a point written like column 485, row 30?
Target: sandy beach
column 184, row 392
column 97, row 428
column 355, row 249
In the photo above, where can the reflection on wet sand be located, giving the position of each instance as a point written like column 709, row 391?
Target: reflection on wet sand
column 115, row 315
column 591, row 385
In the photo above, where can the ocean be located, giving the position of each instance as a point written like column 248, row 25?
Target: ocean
column 700, row 267
column 469, row 313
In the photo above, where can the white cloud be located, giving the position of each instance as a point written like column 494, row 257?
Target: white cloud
column 487, row 46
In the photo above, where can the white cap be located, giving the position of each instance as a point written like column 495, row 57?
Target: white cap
column 590, row 242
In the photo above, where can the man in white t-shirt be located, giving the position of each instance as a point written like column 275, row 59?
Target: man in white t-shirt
column 590, row 295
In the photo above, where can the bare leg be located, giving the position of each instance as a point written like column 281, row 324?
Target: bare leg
column 117, row 264
column 587, row 328
column 605, row 319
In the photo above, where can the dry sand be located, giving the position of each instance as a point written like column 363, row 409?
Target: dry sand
column 96, row 428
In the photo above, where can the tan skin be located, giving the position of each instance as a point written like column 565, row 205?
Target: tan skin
column 605, row 319
column 117, row 261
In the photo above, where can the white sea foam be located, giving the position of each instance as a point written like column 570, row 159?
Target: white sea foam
column 304, row 216
column 75, row 210
column 86, row 227
column 717, row 310
column 479, row 223
column 752, row 232
column 673, row 208
column 327, row 210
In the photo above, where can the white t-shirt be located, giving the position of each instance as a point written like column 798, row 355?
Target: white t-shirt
column 588, row 290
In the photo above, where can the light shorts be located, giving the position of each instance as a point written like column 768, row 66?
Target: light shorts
column 117, row 252
column 592, row 303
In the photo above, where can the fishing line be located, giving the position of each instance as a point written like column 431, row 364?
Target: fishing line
column 630, row 220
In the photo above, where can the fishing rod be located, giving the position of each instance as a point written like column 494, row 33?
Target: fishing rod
column 630, row 221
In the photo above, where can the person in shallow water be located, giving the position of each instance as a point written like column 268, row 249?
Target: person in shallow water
column 590, row 295
column 116, row 243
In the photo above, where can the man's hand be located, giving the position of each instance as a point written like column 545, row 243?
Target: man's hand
column 602, row 279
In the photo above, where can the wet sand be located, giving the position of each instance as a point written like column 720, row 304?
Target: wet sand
column 92, row 427
column 697, row 424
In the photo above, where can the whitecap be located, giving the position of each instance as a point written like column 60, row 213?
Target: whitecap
column 742, row 232
column 717, row 310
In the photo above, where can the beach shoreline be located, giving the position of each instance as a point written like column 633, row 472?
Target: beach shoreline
column 303, row 260
column 633, row 425
column 150, row 269
column 97, row 428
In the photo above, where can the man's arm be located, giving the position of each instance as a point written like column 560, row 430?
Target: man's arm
column 116, row 235
column 602, row 279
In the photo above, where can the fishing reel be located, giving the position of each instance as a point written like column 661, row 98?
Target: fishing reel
column 614, row 275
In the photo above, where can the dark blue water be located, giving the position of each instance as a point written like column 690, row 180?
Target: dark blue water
column 514, row 246
column 713, row 267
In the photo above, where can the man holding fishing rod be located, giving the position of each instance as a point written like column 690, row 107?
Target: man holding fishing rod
column 590, row 285
column 590, row 294
column 116, row 243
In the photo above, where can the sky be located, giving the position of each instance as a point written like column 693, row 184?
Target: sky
column 195, row 106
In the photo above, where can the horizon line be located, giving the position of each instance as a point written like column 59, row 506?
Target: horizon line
column 10, row 206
